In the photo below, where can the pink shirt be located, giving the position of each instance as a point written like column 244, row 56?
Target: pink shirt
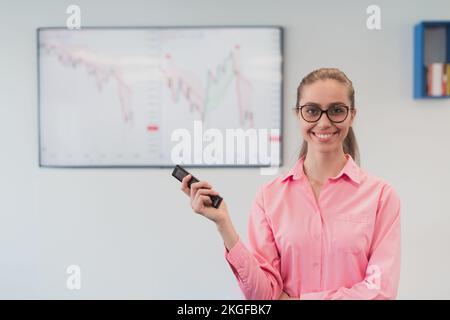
column 346, row 245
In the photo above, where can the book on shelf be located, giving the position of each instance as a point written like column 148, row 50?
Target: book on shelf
column 438, row 79
column 448, row 79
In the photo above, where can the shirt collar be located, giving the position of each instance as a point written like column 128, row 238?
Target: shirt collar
column 350, row 169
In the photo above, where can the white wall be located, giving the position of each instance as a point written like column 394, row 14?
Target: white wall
column 132, row 231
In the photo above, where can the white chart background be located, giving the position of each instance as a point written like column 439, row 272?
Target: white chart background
column 113, row 97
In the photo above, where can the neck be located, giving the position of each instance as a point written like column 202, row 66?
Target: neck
column 319, row 166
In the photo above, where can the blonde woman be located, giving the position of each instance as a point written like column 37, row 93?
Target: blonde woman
column 325, row 230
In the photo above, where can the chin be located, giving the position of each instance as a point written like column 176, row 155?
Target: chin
column 325, row 148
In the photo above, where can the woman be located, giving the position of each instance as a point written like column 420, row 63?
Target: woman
column 325, row 230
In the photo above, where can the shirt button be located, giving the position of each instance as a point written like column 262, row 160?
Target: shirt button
column 315, row 264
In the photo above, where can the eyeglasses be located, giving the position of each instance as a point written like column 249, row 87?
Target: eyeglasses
column 312, row 113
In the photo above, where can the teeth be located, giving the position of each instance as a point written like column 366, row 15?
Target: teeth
column 324, row 136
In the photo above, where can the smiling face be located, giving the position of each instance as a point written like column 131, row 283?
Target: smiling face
column 324, row 135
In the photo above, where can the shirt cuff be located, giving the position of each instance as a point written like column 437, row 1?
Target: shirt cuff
column 238, row 255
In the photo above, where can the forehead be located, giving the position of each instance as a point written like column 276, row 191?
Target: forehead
column 324, row 92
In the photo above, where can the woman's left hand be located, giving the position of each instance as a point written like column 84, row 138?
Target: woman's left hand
column 284, row 296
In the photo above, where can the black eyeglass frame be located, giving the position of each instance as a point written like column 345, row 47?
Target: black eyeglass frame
column 299, row 108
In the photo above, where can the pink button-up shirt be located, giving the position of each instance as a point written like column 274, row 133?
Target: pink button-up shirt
column 346, row 245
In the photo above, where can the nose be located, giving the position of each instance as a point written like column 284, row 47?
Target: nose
column 324, row 122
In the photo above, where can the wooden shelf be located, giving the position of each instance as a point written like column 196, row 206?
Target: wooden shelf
column 429, row 50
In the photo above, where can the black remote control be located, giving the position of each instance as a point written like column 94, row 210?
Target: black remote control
column 180, row 173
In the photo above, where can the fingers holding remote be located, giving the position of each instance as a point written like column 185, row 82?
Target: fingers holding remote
column 185, row 185
column 196, row 186
column 201, row 200
column 202, row 204
column 200, row 193
column 190, row 187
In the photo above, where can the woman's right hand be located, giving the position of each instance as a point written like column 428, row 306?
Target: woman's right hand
column 199, row 193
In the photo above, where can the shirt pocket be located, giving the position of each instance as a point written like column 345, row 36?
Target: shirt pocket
column 350, row 233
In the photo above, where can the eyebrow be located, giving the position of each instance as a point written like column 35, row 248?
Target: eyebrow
column 330, row 104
